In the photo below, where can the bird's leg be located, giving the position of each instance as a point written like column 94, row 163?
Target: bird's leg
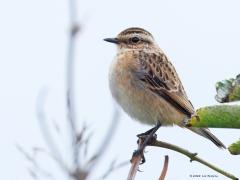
column 150, row 131
column 145, row 133
column 148, row 137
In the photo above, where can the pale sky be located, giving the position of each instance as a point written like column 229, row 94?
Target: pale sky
column 201, row 38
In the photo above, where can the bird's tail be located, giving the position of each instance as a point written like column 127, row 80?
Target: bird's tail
column 207, row 134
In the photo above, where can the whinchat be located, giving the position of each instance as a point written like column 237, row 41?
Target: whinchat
column 146, row 85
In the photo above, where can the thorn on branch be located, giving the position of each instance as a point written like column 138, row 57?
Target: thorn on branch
column 192, row 157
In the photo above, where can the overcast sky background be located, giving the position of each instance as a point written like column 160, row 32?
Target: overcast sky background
column 201, row 38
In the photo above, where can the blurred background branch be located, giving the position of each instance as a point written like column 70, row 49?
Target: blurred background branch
column 70, row 88
column 78, row 138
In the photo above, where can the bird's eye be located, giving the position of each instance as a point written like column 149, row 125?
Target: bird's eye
column 134, row 39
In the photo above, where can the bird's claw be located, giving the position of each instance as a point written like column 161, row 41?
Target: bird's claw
column 139, row 152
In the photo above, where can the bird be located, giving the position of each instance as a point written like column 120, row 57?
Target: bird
column 146, row 85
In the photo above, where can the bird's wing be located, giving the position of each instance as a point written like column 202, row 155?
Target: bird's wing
column 159, row 75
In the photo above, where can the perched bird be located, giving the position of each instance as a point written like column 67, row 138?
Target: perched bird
column 146, row 85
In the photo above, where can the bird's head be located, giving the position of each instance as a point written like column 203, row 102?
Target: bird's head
column 133, row 38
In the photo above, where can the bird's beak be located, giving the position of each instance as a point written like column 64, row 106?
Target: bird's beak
column 112, row 40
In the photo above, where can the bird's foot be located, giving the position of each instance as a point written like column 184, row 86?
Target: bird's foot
column 147, row 140
column 150, row 138
column 144, row 140
column 150, row 131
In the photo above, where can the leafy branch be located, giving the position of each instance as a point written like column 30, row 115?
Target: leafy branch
column 218, row 116
column 222, row 116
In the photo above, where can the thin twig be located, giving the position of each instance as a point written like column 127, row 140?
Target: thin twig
column 192, row 156
column 71, row 109
column 46, row 133
column 36, row 169
column 113, row 167
column 136, row 160
column 106, row 141
column 165, row 168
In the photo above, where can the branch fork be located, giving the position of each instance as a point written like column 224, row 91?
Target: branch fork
column 136, row 160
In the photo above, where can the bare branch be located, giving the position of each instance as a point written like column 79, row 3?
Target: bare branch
column 192, row 156
column 165, row 168
column 44, row 128
column 36, row 168
column 136, row 160
column 70, row 81
column 79, row 140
